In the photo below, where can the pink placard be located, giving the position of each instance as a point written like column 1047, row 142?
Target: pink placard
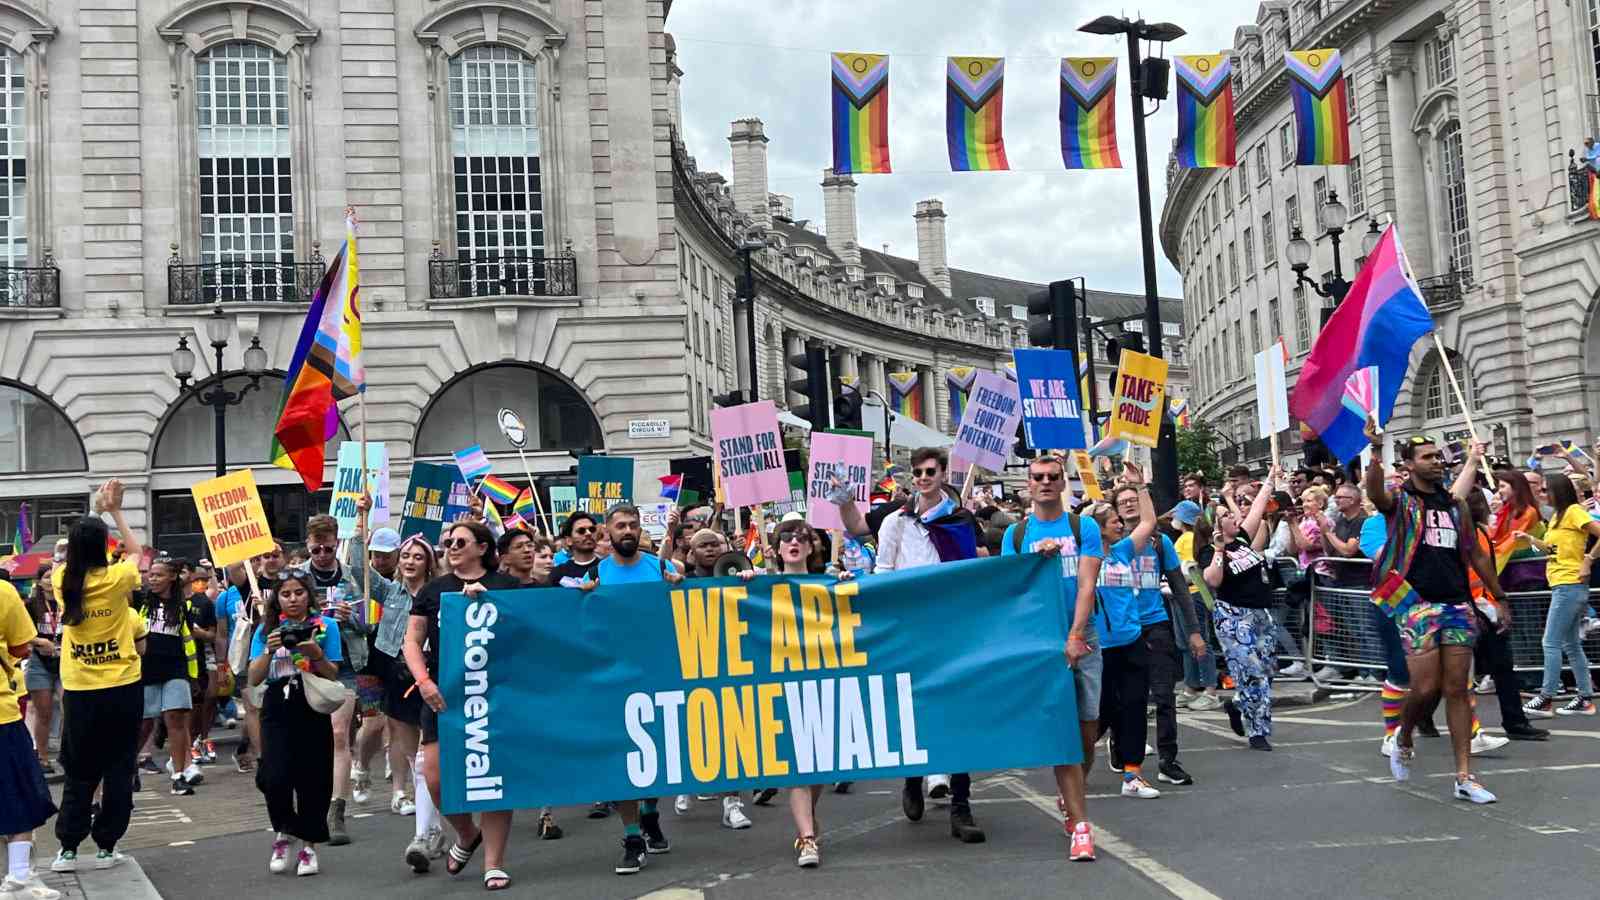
column 989, row 425
column 749, row 453
column 851, row 457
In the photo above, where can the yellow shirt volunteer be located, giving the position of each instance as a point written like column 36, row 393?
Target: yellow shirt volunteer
column 1184, row 546
column 98, row 652
column 1566, row 537
column 16, row 630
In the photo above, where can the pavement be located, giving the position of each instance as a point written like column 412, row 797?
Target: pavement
column 1320, row 817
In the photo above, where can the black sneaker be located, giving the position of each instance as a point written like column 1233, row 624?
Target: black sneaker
column 1112, row 755
column 911, row 800
column 1173, row 773
column 600, row 811
column 765, row 796
column 843, row 787
column 1526, row 733
column 149, row 765
column 655, row 840
column 633, row 855
column 962, row 827
column 1235, row 718
column 181, row 788
column 137, row 785
column 1259, row 742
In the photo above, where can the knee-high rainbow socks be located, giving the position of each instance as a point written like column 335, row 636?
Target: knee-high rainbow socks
column 1393, row 698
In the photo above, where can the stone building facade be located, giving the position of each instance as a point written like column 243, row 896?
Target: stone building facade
column 1463, row 120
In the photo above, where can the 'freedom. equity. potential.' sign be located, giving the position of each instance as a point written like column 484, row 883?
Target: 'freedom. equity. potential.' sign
column 729, row 685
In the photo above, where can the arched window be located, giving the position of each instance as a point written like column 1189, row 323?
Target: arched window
column 1438, row 400
column 1453, row 193
column 35, row 436
column 188, row 437
column 464, row 412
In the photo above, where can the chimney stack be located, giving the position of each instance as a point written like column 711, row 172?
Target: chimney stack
column 839, row 216
column 749, row 140
column 931, row 260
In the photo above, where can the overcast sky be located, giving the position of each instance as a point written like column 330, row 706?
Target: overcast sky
column 1037, row 222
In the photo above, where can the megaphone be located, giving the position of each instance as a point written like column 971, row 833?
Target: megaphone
column 732, row 563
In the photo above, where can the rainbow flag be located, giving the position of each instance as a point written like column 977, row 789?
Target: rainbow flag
column 860, row 113
column 1321, row 115
column 959, row 380
column 904, row 396
column 1089, row 112
column 1205, row 111
column 518, row 522
column 498, row 489
column 1593, row 205
column 752, row 546
column 524, row 507
column 491, row 518
column 974, row 96
column 325, row 368
column 1179, row 407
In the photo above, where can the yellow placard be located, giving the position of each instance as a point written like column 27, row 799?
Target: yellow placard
column 1136, row 409
column 1085, row 467
column 233, row 518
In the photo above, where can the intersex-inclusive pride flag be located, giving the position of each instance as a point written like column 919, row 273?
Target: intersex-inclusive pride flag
column 325, row 368
column 974, row 95
column 905, row 395
column 1205, row 111
column 729, row 685
column 1374, row 326
column 860, row 113
column 1321, row 116
column 1089, row 112
column 959, row 381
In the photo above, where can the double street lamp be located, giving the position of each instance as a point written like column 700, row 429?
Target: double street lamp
column 218, row 397
column 1331, row 217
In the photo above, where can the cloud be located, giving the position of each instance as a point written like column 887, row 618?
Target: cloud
column 1037, row 222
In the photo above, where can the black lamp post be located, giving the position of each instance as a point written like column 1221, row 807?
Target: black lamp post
column 749, row 245
column 218, row 397
column 1331, row 217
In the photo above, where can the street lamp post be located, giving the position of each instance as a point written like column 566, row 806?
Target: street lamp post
column 1331, row 218
column 218, row 397
column 748, row 246
column 1165, row 481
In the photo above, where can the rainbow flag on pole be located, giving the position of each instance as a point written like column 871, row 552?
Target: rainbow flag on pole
column 905, row 395
column 860, row 113
column 325, row 368
column 1089, row 112
column 498, row 489
column 974, row 95
column 1205, row 111
column 1321, row 114
column 523, row 506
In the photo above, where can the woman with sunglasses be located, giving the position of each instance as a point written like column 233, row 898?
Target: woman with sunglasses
column 43, row 677
column 295, row 773
column 470, row 553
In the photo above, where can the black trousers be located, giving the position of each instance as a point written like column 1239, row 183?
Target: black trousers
column 295, row 772
column 1123, row 696
column 960, row 789
column 1165, row 667
column 1492, row 655
column 99, row 747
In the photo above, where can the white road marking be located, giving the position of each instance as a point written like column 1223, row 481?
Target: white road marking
column 1169, row 879
column 181, row 844
column 1366, row 843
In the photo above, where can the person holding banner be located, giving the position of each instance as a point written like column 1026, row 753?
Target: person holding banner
column 102, row 700
column 583, row 562
column 470, row 552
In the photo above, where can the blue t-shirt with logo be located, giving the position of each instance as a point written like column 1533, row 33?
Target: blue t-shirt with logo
column 645, row 568
column 1116, row 615
column 1159, row 556
column 1060, row 530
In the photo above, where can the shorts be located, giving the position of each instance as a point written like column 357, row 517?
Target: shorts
column 370, row 695
column 39, row 678
column 398, row 705
column 430, row 725
column 1427, row 626
column 166, row 696
column 25, row 802
column 1087, row 677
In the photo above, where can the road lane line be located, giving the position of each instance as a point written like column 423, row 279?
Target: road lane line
column 1169, row 879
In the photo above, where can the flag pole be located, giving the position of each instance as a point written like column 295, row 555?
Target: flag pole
column 1450, row 372
column 533, row 489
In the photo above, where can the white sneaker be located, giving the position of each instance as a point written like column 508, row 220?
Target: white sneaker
column 1400, row 762
column 435, row 841
column 1138, row 788
column 733, row 814
column 1472, row 790
column 307, row 862
column 401, row 805
column 28, row 887
column 1590, row 626
column 1387, row 747
column 1485, row 685
column 65, row 861
column 1295, row 670
column 192, row 775
column 107, row 859
column 360, row 787
column 1488, row 743
column 1204, row 702
column 1327, row 673
column 938, row 787
column 280, row 855
column 681, row 805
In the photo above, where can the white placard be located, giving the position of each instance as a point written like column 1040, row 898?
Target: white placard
column 649, row 428
column 1272, row 392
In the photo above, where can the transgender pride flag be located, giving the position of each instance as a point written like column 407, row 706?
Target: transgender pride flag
column 1375, row 327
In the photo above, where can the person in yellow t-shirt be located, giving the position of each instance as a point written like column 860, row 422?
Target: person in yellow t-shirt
column 1568, row 574
column 102, row 701
column 25, row 802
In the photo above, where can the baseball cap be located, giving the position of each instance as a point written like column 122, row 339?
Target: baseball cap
column 384, row 540
column 1186, row 513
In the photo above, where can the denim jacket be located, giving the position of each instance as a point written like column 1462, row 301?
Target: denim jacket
column 391, row 595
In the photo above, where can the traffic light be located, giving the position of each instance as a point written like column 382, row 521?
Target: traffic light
column 1053, row 316
column 1153, row 77
column 1021, row 448
column 813, row 385
column 846, row 406
column 1125, row 340
column 732, row 398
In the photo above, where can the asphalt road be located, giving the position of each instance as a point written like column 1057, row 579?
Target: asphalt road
column 1319, row 817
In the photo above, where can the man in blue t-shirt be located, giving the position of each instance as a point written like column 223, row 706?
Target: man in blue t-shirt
column 1051, row 530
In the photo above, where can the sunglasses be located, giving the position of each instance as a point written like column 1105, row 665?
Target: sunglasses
column 458, row 544
column 1045, row 476
column 586, row 529
column 793, row 537
column 320, row 549
column 930, row 472
column 1419, row 439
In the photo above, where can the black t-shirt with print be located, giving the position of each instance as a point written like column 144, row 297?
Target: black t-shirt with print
column 1437, row 573
column 1246, row 580
column 202, row 614
column 427, row 604
column 164, row 657
column 572, row 573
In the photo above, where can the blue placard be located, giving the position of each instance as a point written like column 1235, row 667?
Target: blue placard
column 728, row 685
column 1052, row 410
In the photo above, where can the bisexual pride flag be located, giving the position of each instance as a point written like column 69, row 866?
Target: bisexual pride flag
column 1089, row 112
column 974, row 91
column 1321, row 113
column 860, row 113
column 1205, row 111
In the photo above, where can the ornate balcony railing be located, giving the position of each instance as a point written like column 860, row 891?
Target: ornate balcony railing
column 30, row 287
column 501, row 275
column 1577, row 182
column 1442, row 293
column 243, row 281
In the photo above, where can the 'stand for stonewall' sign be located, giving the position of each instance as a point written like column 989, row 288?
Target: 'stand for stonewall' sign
column 731, row 685
column 1052, row 413
column 749, row 454
column 850, row 459
column 989, row 423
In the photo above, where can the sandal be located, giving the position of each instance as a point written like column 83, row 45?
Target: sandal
column 548, row 829
column 498, row 875
column 460, row 856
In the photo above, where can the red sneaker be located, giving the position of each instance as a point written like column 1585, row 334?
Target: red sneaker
column 1082, row 843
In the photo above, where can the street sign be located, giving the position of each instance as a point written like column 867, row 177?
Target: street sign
column 649, row 428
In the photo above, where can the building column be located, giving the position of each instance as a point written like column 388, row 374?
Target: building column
column 930, row 398
column 793, row 345
column 1410, row 210
column 742, row 349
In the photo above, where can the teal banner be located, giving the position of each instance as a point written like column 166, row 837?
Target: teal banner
column 603, row 482
column 553, row 696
